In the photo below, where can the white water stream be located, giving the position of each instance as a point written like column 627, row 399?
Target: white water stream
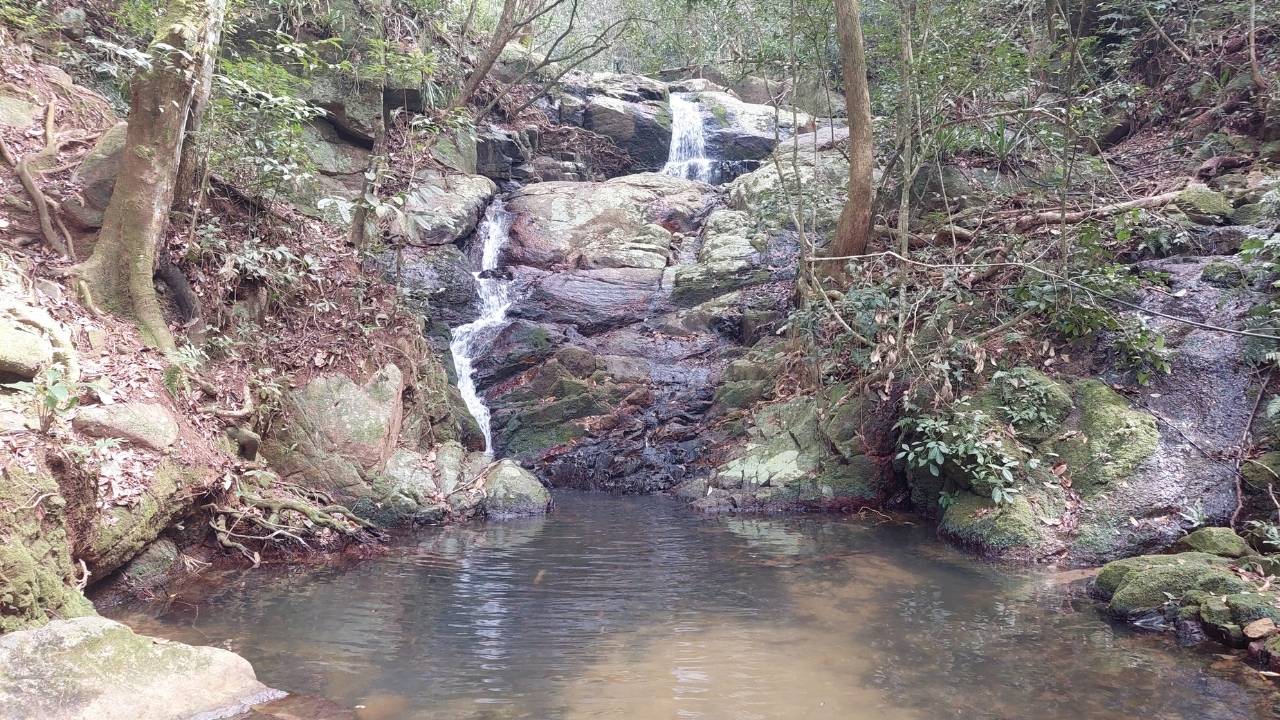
column 688, row 157
column 472, row 339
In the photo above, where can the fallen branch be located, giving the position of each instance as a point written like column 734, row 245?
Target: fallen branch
column 1027, row 222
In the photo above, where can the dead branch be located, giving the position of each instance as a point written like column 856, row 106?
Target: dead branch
column 1027, row 222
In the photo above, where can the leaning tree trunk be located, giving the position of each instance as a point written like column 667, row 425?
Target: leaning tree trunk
column 191, row 168
column 119, row 273
column 854, row 228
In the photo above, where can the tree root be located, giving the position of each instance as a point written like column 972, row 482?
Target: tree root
column 276, row 513
column 54, row 231
column 241, row 413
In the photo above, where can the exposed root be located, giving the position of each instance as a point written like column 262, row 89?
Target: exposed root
column 54, row 231
column 266, row 512
column 244, row 411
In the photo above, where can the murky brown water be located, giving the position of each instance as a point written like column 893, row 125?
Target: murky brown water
column 636, row 608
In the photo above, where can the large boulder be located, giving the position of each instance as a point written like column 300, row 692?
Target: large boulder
column 22, row 353
column 625, row 222
column 336, row 433
column 435, row 280
column 729, row 259
column 813, row 164
column 642, row 129
column 445, row 209
column 91, row 667
column 747, row 131
column 355, row 443
column 96, row 175
column 593, row 301
column 149, row 425
column 785, row 463
column 512, row 491
column 620, row 86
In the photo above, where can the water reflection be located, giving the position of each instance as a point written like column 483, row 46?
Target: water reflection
column 634, row 608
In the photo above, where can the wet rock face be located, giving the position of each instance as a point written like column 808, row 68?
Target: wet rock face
column 92, row 667
column 630, row 298
column 390, row 463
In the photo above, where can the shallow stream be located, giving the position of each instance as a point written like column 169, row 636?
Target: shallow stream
column 635, row 607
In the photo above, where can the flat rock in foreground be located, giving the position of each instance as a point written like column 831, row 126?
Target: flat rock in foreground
column 92, row 668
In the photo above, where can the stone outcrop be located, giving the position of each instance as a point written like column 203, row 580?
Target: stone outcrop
column 147, row 424
column 92, row 667
column 359, row 444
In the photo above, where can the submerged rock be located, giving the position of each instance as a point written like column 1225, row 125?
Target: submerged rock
column 512, row 491
column 95, row 668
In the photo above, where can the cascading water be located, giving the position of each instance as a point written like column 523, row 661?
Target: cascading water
column 494, row 292
column 688, row 157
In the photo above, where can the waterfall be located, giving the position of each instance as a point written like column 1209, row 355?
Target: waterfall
column 688, row 157
column 470, row 340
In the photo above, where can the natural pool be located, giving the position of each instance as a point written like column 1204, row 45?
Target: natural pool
column 634, row 607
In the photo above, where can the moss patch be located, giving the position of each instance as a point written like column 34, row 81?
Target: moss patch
column 1114, row 439
column 37, row 578
column 979, row 523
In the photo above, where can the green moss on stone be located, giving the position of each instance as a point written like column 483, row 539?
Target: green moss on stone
column 1114, row 439
column 1249, row 606
column 1139, row 585
column 980, row 523
column 1220, row 541
column 1223, row 274
column 37, row 578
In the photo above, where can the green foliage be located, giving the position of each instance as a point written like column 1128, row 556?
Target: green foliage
column 254, row 134
column 22, row 15
column 964, row 441
column 1027, row 398
column 52, row 395
column 1263, row 534
column 138, row 18
column 1142, row 351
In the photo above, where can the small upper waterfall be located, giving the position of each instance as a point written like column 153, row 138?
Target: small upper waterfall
column 688, row 158
column 494, row 292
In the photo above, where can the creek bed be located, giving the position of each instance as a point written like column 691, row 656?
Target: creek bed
column 634, row 607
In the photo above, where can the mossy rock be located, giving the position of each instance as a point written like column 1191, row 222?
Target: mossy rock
column 37, row 578
column 1262, row 471
column 1117, row 572
column 123, row 531
column 1220, row 541
column 981, row 524
column 1223, row 274
column 1141, row 585
column 1114, row 439
column 735, row 395
column 1249, row 606
column 1204, row 205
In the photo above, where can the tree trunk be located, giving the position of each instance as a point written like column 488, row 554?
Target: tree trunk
column 854, row 228
column 119, row 273
column 192, row 166
column 502, row 34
